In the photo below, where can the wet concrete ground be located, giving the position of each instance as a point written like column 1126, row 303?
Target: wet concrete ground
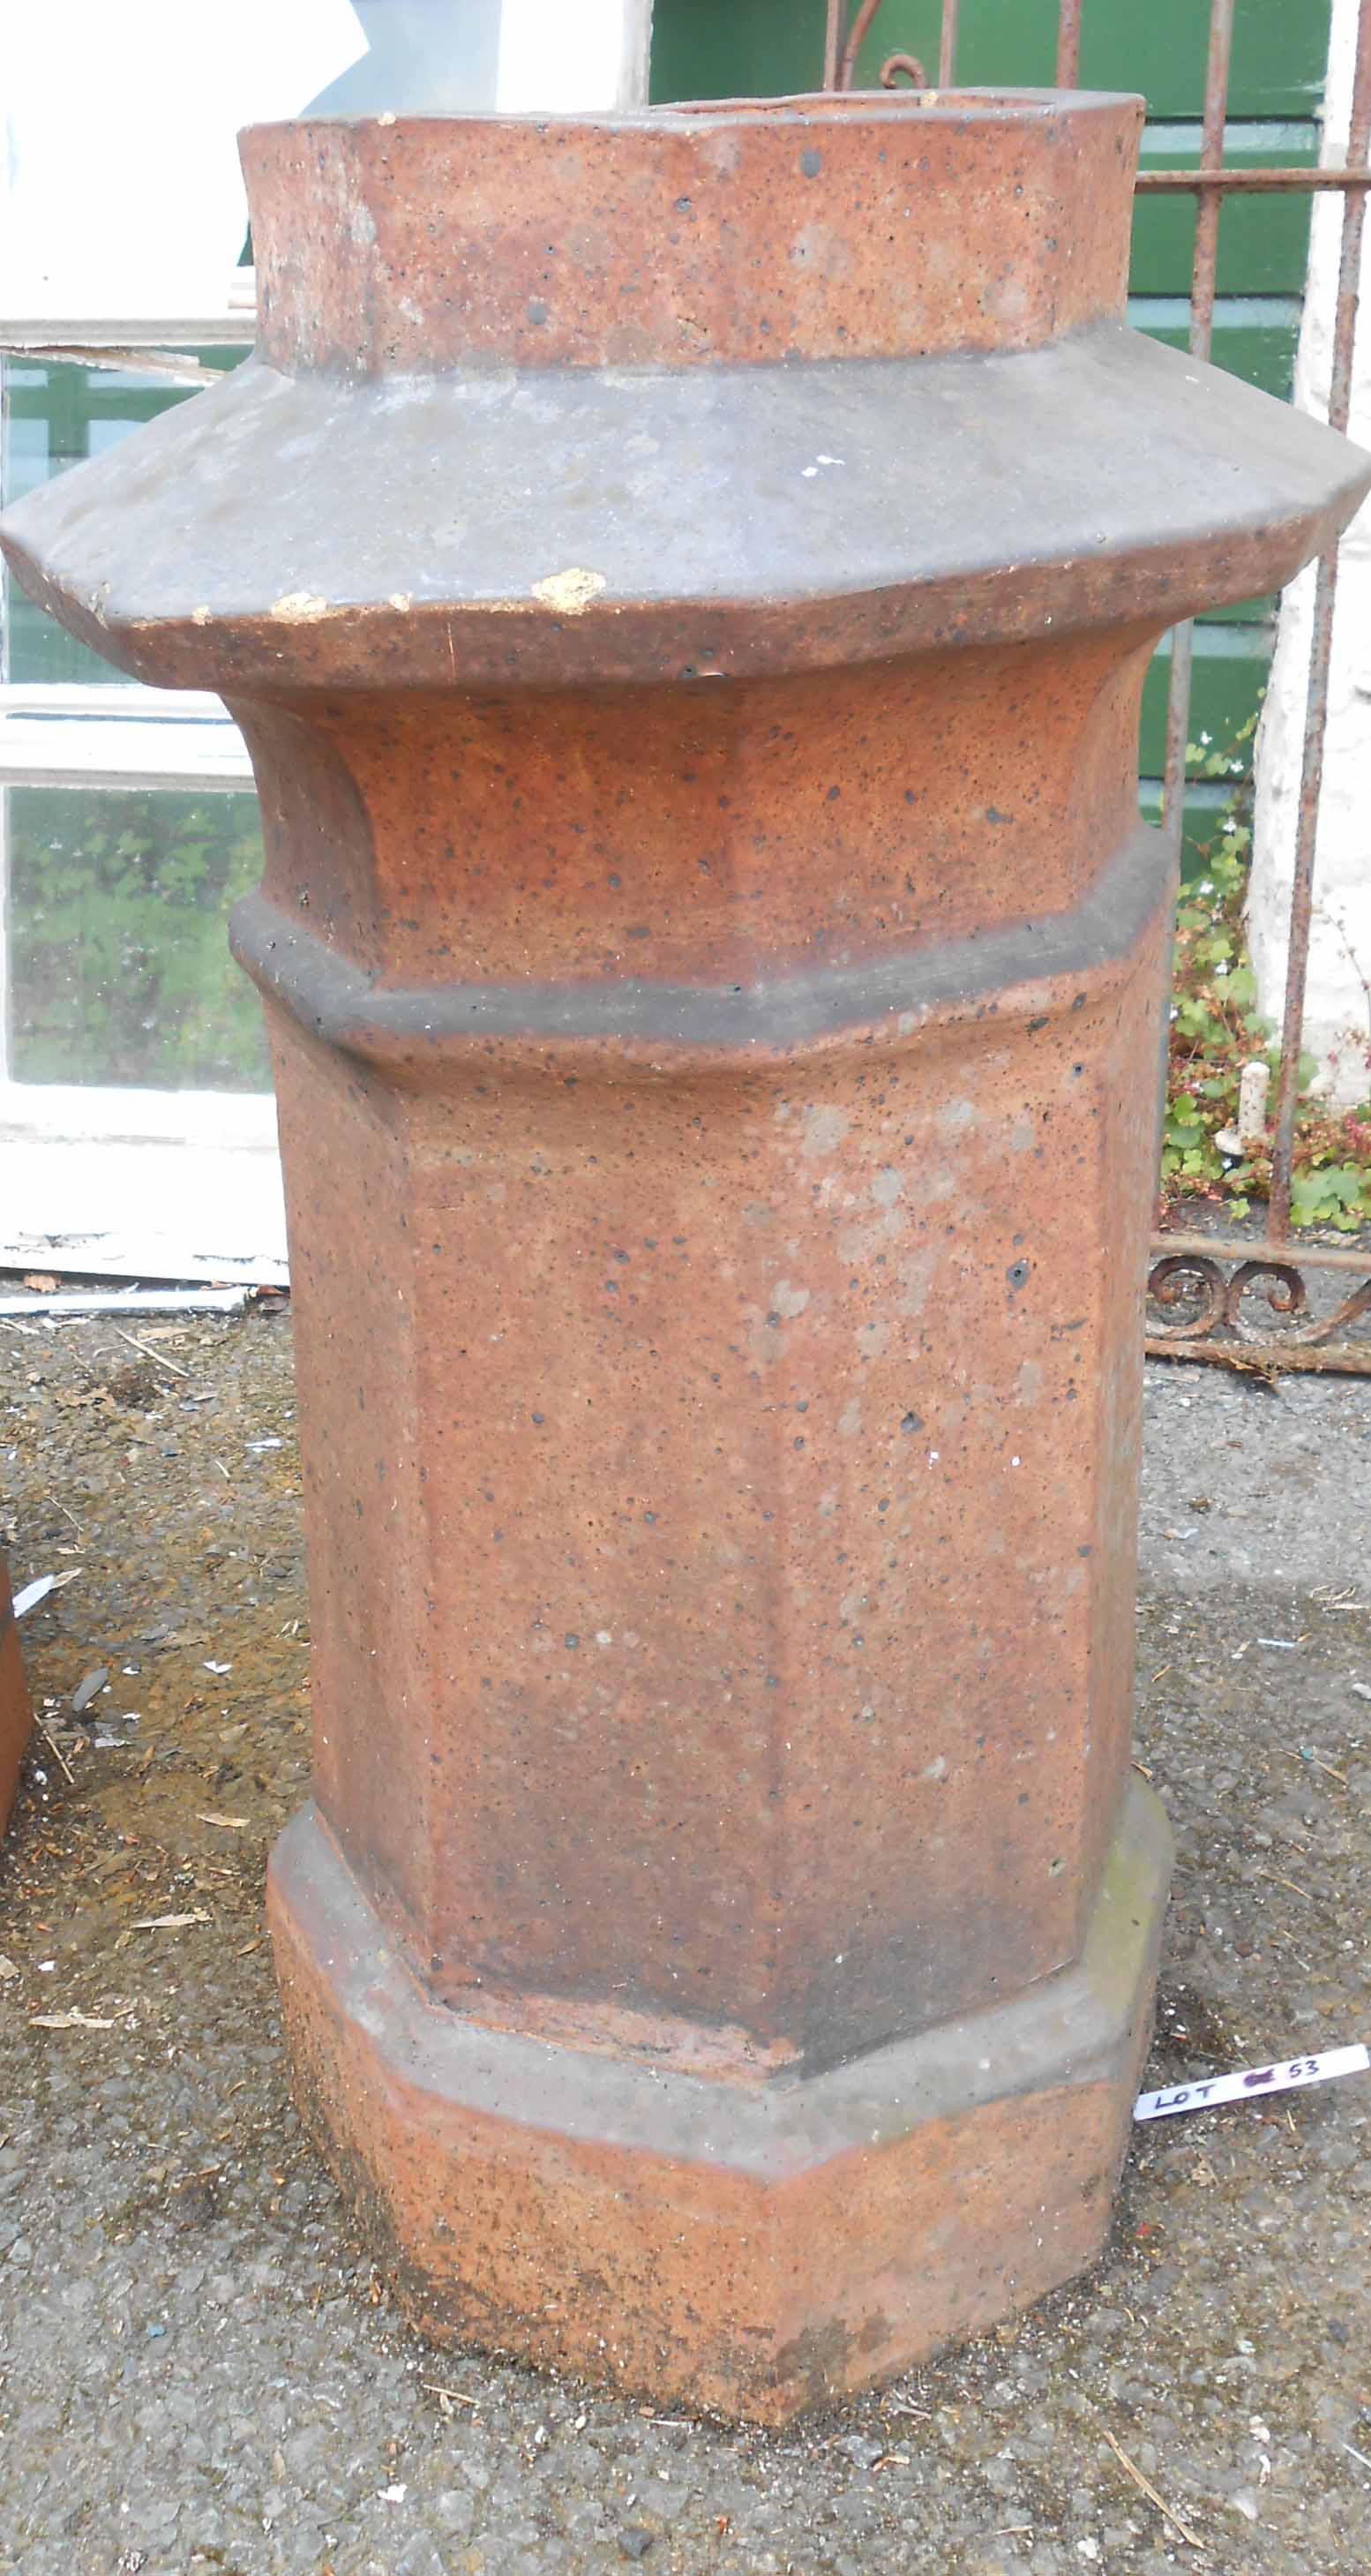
column 199, row 2370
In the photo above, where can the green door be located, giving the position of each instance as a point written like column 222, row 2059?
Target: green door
column 732, row 48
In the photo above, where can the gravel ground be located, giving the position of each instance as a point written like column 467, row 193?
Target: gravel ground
column 199, row 2368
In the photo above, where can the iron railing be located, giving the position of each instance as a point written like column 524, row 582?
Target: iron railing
column 1199, row 1285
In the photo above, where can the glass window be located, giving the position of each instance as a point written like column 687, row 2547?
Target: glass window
column 119, row 965
column 53, row 415
column 113, row 960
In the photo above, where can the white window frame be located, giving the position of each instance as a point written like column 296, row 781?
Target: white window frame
column 96, row 1174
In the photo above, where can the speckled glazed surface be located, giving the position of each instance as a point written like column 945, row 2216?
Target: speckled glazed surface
column 686, row 583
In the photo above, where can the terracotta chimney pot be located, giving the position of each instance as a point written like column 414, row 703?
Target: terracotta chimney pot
column 686, row 582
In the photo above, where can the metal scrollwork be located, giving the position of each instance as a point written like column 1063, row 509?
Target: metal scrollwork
column 1184, row 1277
column 1279, row 1283
column 845, row 43
column 1201, row 1304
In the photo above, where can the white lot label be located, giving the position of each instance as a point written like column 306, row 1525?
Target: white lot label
column 1280, row 2077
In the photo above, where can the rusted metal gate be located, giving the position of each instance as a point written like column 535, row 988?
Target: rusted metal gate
column 1199, row 1284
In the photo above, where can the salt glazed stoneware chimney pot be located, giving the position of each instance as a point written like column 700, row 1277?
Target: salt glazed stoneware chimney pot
column 686, row 582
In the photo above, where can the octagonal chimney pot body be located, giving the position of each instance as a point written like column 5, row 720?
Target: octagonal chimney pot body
column 686, row 582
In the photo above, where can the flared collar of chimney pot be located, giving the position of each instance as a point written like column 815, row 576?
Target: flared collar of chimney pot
column 740, row 231
column 684, row 396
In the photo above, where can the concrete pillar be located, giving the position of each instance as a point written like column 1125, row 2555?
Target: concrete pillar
column 1337, row 1028
column 686, row 583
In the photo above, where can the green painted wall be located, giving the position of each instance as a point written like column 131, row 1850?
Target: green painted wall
column 730, row 48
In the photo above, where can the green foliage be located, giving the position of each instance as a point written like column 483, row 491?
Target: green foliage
column 1216, row 1030
column 119, row 967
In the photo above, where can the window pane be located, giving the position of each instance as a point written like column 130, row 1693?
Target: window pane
column 118, row 956
column 56, row 414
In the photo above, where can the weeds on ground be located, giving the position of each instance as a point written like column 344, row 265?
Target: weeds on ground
column 1216, row 1029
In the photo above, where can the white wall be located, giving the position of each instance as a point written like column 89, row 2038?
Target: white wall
column 558, row 57
column 1338, row 1013
column 122, row 195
